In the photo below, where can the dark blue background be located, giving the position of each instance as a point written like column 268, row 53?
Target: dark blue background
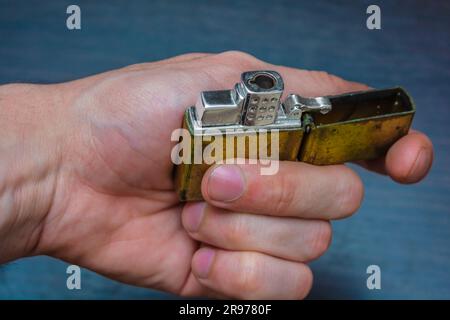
column 403, row 229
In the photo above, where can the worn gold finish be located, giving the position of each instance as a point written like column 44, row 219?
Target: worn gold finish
column 360, row 126
column 188, row 177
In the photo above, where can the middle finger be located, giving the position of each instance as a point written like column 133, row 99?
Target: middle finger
column 287, row 238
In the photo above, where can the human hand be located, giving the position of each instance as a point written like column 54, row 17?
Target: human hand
column 87, row 177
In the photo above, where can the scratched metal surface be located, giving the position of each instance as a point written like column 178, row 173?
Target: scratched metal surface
column 403, row 229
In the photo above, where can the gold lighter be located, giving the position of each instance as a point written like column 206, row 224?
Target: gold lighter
column 251, row 122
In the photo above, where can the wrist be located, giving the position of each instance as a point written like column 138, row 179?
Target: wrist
column 29, row 162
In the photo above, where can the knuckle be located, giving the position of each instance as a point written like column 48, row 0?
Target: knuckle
column 136, row 66
column 320, row 239
column 318, row 76
column 328, row 81
column 193, row 55
column 350, row 194
column 248, row 282
column 239, row 58
column 282, row 195
column 332, row 78
column 323, row 75
column 235, row 231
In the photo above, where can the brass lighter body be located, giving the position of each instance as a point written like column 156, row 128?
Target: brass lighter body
column 358, row 126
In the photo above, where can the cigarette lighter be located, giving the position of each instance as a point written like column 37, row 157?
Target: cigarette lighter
column 319, row 130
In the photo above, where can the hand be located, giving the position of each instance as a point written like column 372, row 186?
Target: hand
column 87, row 177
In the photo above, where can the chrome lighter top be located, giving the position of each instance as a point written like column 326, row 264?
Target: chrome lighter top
column 255, row 101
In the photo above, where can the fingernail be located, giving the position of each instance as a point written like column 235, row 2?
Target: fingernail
column 421, row 163
column 193, row 215
column 202, row 261
column 226, row 183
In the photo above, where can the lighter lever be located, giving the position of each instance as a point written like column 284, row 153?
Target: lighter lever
column 321, row 130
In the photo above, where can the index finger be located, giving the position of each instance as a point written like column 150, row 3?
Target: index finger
column 296, row 190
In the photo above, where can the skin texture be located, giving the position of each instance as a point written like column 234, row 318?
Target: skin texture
column 86, row 176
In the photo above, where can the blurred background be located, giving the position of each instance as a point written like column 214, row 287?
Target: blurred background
column 403, row 229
